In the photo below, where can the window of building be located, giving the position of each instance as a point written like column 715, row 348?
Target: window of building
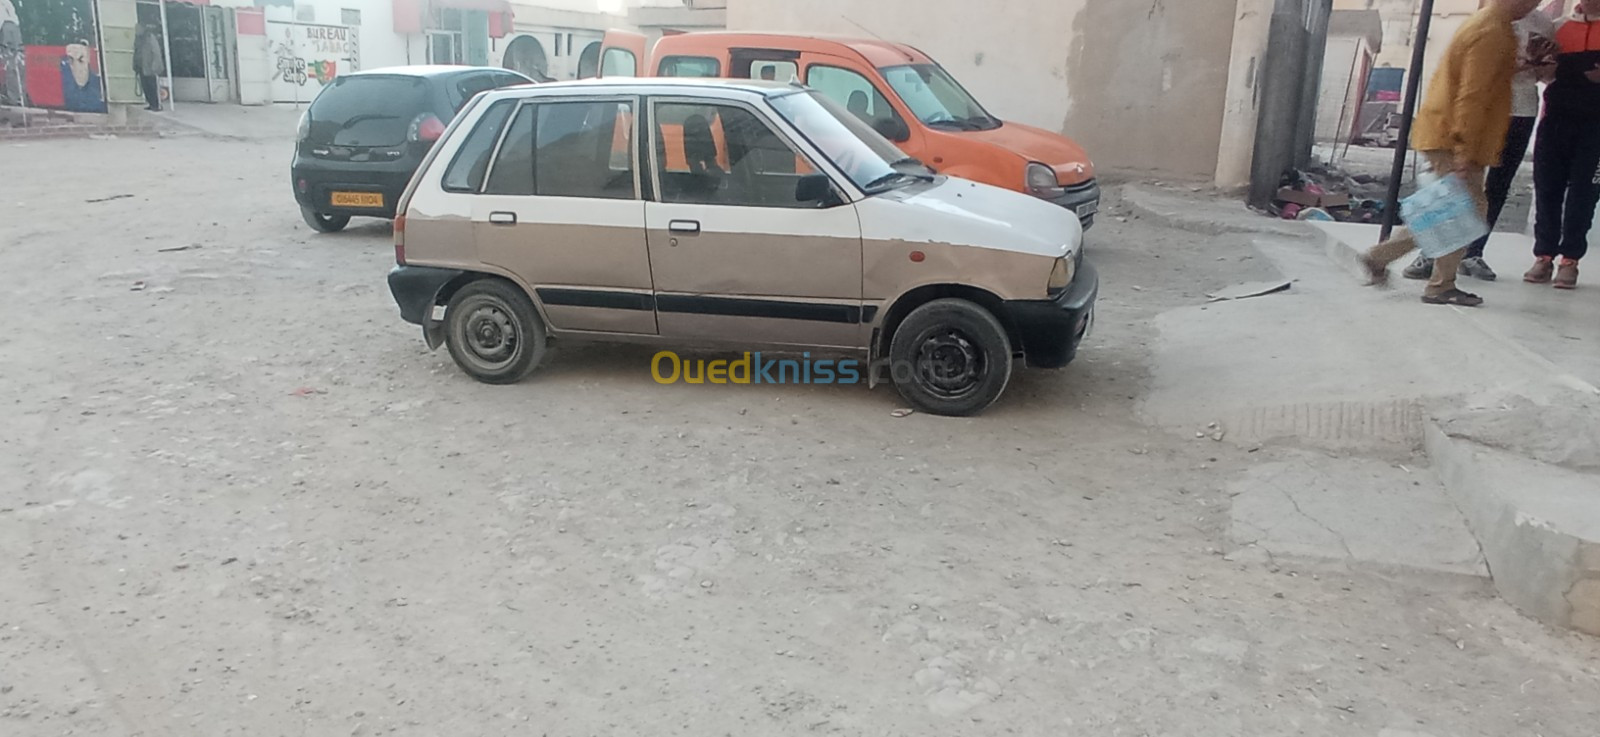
column 305, row 13
column 472, row 160
column 350, row 17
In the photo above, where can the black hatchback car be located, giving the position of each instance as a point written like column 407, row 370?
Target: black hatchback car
column 366, row 134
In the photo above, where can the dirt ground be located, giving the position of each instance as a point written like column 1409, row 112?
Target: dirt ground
column 239, row 497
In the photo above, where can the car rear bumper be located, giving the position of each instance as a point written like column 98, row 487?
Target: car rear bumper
column 314, row 187
column 1052, row 329
column 1083, row 199
column 416, row 290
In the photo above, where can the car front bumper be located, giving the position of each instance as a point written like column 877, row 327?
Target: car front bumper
column 1051, row 330
column 1083, row 199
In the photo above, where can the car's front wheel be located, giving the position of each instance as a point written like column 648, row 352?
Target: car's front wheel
column 493, row 332
column 950, row 357
column 324, row 223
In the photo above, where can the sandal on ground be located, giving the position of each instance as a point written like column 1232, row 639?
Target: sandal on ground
column 1453, row 297
column 1377, row 273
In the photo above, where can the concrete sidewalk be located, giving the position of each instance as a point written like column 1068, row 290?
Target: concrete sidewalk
column 1502, row 400
column 251, row 123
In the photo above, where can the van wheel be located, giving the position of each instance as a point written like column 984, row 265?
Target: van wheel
column 950, row 357
column 324, row 223
column 493, row 332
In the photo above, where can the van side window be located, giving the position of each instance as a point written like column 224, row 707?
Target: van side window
column 724, row 155
column 859, row 96
column 617, row 62
column 777, row 71
column 567, row 149
column 472, row 160
column 690, row 66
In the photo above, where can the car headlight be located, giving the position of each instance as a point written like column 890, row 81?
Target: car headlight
column 1061, row 275
column 1041, row 181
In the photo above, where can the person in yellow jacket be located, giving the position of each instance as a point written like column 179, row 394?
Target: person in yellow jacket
column 1461, row 129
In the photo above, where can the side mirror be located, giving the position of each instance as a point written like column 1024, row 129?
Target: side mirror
column 816, row 188
column 893, row 129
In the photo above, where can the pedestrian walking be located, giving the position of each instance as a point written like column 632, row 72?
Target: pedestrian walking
column 150, row 63
column 1566, row 158
column 1536, row 50
column 1461, row 130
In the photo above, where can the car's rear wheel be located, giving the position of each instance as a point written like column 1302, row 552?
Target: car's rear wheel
column 324, row 223
column 493, row 332
column 950, row 357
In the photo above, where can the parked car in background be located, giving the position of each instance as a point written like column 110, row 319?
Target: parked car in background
column 901, row 92
column 748, row 213
column 366, row 134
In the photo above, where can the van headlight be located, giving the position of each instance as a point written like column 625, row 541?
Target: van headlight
column 1041, row 182
column 1061, row 275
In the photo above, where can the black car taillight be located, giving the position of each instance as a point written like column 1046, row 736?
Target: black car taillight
column 426, row 128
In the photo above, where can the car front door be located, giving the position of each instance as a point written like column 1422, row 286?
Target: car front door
column 736, row 256
column 865, row 98
column 560, row 208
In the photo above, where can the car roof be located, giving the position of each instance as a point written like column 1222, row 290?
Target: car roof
column 424, row 70
column 876, row 51
column 656, row 85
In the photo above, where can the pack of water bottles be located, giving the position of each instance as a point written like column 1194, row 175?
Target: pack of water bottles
column 1443, row 217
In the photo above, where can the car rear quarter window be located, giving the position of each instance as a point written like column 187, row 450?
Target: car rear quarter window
column 467, row 170
column 567, row 149
column 367, row 110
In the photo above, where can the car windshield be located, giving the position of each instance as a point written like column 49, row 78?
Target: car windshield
column 371, row 110
column 937, row 99
column 869, row 159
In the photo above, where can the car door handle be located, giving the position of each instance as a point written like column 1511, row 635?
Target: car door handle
column 502, row 218
column 684, row 226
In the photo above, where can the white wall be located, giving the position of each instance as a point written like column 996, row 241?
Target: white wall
column 380, row 45
column 1340, row 97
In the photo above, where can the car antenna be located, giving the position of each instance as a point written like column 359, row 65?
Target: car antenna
column 852, row 21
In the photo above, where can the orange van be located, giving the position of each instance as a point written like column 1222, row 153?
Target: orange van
column 901, row 92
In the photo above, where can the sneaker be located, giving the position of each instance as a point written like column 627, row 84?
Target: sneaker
column 1422, row 269
column 1542, row 270
column 1567, row 275
column 1477, row 268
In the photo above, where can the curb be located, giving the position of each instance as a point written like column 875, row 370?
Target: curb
column 1167, row 209
column 1538, row 525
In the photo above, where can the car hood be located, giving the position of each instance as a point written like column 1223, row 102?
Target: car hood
column 960, row 212
column 1070, row 161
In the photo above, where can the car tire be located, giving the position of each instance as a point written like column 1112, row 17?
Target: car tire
column 950, row 357
column 493, row 332
column 324, row 223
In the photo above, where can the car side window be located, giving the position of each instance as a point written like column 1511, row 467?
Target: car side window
column 471, row 85
column 467, row 170
column 776, row 71
column 858, row 95
column 715, row 154
column 567, row 149
column 690, row 66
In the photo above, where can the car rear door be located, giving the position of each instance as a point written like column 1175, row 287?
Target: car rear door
column 622, row 54
column 560, row 208
column 735, row 256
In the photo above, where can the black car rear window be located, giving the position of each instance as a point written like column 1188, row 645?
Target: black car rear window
column 368, row 110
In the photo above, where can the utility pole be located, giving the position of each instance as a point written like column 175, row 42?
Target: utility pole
column 1419, row 46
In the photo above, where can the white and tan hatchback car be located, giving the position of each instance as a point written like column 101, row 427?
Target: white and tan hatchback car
column 734, row 212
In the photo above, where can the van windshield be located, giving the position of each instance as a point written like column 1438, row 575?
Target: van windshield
column 869, row 159
column 937, row 99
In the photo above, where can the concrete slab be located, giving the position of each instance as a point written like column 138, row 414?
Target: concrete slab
column 1539, row 526
column 1555, row 328
column 1353, row 510
column 1328, row 361
column 263, row 122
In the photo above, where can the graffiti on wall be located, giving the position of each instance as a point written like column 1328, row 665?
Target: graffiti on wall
column 48, row 56
column 306, row 57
